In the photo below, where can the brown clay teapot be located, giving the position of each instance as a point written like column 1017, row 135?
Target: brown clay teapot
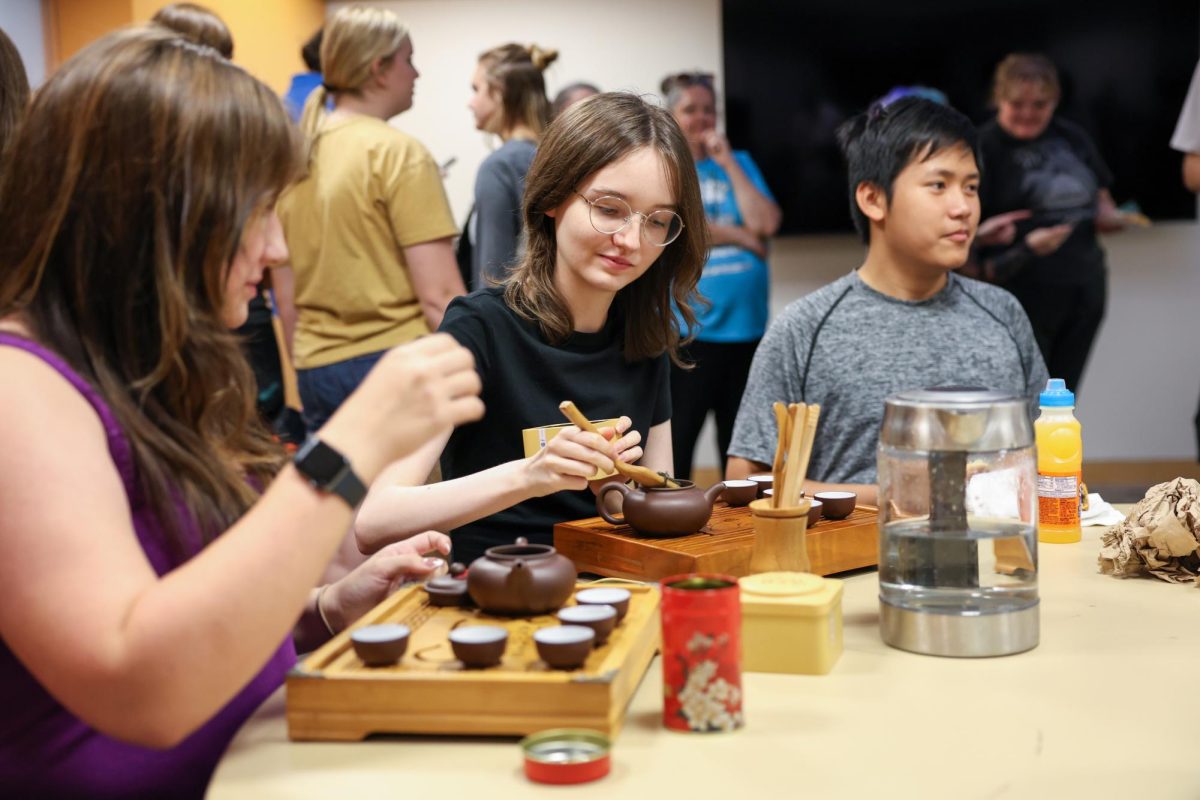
column 521, row 579
column 662, row 511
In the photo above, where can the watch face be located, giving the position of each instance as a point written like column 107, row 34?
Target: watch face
column 320, row 461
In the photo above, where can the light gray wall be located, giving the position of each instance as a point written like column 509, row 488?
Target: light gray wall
column 22, row 21
column 615, row 44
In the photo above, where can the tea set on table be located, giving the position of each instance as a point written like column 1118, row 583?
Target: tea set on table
column 526, row 579
column 516, row 580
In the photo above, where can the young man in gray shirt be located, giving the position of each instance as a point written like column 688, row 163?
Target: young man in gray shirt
column 904, row 319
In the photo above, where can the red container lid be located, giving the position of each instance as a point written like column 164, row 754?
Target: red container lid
column 566, row 755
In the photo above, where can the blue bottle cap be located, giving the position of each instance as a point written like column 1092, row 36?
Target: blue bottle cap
column 1057, row 395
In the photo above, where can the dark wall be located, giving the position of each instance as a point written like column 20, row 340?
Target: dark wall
column 795, row 70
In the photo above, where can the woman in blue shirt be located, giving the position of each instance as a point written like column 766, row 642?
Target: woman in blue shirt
column 742, row 215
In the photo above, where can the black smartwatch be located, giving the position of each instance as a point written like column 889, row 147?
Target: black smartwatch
column 329, row 471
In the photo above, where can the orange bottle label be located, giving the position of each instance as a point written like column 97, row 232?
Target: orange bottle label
column 1058, row 498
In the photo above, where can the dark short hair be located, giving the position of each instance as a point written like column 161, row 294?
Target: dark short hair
column 311, row 51
column 879, row 143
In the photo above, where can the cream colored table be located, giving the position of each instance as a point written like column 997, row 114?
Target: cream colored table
column 1105, row 706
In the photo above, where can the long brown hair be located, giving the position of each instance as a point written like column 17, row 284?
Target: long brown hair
column 514, row 72
column 588, row 136
column 14, row 92
column 141, row 162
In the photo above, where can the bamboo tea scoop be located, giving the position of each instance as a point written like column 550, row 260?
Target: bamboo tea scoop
column 643, row 475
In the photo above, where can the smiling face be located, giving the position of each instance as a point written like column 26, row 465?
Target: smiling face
column 933, row 212
column 484, row 102
column 593, row 264
column 696, row 113
column 262, row 244
column 1026, row 108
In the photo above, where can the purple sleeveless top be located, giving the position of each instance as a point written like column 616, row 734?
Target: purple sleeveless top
column 45, row 751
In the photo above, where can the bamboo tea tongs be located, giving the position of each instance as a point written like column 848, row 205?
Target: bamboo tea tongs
column 797, row 425
column 643, row 475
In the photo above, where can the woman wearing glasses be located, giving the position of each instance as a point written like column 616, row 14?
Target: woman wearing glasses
column 742, row 215
column 615, row 235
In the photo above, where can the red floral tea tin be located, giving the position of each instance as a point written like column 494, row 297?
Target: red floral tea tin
column 702, row 653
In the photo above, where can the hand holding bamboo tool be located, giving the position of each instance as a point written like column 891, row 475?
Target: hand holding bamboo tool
column 643, row 475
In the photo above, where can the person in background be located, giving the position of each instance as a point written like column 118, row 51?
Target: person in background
column 508, row 99
column 14, row 93
column 1186, row 140
column 368, row 226
column 197, row 24
column 1045, row 196
column 615, row 234
column 903, row 320
column 305, row 83
column 156, row 548
column 742, row 215
column 571, row 94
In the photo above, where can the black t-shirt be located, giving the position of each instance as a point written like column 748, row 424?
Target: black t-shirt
column 1057, row 176
column 524, row 379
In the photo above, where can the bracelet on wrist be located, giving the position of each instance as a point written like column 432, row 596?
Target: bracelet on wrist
column 321, row 611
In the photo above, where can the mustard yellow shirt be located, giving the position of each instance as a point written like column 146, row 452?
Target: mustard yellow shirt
column 370, row 192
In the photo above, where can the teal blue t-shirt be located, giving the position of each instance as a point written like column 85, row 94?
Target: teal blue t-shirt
column 735, row 280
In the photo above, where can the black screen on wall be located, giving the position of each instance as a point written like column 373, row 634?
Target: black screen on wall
column 794, row 71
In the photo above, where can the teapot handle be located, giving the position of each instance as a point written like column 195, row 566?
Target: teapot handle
column 610, row 487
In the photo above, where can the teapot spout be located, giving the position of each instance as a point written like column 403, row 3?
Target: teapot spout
column 714, row 491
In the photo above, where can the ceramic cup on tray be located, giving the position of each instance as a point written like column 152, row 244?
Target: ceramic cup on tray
column 837, row 505
column 740, row 493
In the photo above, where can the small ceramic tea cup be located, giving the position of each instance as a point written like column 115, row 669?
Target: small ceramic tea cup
column 739, row 493
column 768, row 492
column 814, row 512
column 479, row 646
column 564, row 646
column 838, row 505
column 601, row 619
column 380, row 645
column 765, row 480
column 606, row 596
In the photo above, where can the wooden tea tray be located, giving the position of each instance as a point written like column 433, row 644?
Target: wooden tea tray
column 332, row 695
column 723, row 546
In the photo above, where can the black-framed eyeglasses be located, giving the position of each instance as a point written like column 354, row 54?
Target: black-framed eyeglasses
column 609, row 215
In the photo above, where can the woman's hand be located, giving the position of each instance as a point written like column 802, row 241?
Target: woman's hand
column 716, row 147
column 375, row 579
column 1001, row 229
column 567, row 462
column 626, row 445
column 415, row 392
column 1044, row 241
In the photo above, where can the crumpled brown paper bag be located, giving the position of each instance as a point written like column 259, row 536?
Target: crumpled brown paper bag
column 1160, row 536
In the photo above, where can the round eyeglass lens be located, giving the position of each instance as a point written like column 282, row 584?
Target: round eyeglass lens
column 611, row 214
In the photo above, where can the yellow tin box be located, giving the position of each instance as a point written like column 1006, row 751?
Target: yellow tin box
column 791, row 622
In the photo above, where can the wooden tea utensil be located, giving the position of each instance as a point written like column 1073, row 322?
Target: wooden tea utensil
column 781, row 424
column 806, row 446
column 643, row 475
column 787, row 495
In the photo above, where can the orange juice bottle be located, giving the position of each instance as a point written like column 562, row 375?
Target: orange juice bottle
column 1059, row 465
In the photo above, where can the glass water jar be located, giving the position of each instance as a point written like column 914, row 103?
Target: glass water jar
column 958, row 523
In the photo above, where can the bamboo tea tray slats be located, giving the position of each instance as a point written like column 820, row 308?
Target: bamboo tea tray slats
column 332, row 695
column 723, row 546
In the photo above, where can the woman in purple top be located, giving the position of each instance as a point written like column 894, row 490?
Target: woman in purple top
column 148, row 593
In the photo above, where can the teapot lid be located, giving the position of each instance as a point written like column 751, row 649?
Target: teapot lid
column 956, row 419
